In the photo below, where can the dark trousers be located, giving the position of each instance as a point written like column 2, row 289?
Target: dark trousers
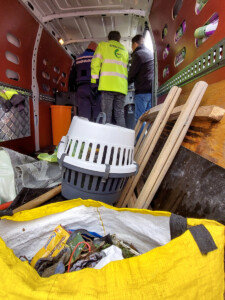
column 88, row 106
column 113, row 101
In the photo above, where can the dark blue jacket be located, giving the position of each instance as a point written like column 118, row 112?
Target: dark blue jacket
column 81, row 70
column 83, row 67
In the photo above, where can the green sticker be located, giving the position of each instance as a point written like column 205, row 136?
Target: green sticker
column 117, row 54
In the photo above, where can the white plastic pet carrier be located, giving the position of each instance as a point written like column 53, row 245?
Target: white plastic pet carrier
column 97, row 160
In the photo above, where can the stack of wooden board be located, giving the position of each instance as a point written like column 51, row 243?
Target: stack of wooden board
column 146, row 143
column 155, row 121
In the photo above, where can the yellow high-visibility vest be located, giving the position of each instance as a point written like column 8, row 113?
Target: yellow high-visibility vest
column 7, row 95
column 109, row 65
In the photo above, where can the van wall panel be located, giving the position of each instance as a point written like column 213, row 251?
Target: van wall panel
column 159, row 17
column 55, row 56
column 17, row 20
column 204, row 138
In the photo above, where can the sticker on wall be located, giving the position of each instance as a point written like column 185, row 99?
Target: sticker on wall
column 164, row 31
column 202, row 33
column 179, row 58
column 180, row 31
column 166, row 51
column 199, row 5
column 177, row 8
column 166, row 72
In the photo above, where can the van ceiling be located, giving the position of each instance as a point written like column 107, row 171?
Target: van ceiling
column 78, row 22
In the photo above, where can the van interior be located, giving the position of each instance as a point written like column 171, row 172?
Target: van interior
column 40, row 41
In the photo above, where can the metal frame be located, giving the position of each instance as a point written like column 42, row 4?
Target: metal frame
column 208, row 62
column 16, row 88
column 25, row 91
column 91, row 39
column 35, row 88
column 68, row 11
column 84, row 13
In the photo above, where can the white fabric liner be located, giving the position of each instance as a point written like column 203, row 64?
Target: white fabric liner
column 144, row 231
column 112, row 253
column 7, row 182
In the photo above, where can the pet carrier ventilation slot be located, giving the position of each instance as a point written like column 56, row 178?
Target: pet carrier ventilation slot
column 97, row 160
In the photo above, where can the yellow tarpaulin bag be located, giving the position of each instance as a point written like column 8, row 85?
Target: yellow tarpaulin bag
column 188, row 266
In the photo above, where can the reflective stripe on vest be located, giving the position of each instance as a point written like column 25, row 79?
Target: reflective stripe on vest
column 113, row 61
column 83, row 61
column 82, row 57
column 113, row 74
column 95, row 76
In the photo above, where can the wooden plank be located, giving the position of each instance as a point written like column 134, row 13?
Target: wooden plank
column 139, row 186
column 39, row 200
column 171, row 146
column 137, row 128
column 211, row 144
column 149, row 143
column 141, row 139
column 211, row 112
column 204, row 113
column 132, row 201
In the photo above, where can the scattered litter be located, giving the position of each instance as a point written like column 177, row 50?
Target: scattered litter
column 69, row 250
column 53, row 246
column 49, row 157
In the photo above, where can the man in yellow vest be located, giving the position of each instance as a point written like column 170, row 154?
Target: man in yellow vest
column 109, row 66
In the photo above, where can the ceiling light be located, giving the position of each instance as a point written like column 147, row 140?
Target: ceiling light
column 61, row 41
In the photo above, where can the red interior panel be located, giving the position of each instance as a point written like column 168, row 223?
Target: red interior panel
column 55, row 58
column 161, row 15
column 15, row 19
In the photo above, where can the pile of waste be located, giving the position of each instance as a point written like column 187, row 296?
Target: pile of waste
column 69, row 250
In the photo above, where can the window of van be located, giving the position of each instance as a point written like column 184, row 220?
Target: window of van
column 148, row 41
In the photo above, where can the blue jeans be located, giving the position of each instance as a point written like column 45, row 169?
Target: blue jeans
column 142, row 104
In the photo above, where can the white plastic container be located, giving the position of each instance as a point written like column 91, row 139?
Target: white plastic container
column 98, row 159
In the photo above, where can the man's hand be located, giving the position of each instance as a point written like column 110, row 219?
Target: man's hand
column 94, row 89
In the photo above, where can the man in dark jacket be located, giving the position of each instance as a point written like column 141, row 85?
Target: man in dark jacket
column 89, row 103
column 141, row 73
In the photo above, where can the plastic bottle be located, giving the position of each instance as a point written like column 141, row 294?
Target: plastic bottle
column 206, row 30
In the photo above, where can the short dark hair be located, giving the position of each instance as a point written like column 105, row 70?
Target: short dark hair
column 139, row 39
column 114, row 35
